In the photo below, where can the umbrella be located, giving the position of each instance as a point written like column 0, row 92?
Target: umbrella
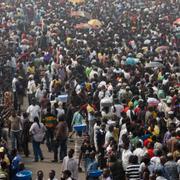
column 177, row 21
column 147, row 41
column 152, row 102
column 77, row 1
column 139, row 55
column 154, row 64
column 131, row 61
column 25, row 41
column 95, row 23
column 82, row 26
column 80, row 14
column 161, row 48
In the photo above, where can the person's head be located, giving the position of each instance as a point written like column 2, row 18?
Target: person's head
column 25, row 115
column 49, row 110
column 66, row 174
column 71, row 153
column 34, row 101
column 133, row 159
column 163, row 160
column 40, row 175
column 170, row 157
column 125, row 140
column 146, row 159
column 106, row 173
column 103, row 126
column 157, row 152
column 4, row 165
column 139, row 144
column 112, row 158
column 52, row 174
column 111, row 128
column 21, row 166
column 14, row 152
column 36, row 119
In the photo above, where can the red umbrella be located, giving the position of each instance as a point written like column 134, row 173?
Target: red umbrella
column 177, row 21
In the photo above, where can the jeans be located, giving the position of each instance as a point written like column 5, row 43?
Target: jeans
column 91, row 131
column 15, row 99
column 37, row 150
column 30, row 97
column 62, row 144
column 15, row 139
column 49, row 138
column 87, row 161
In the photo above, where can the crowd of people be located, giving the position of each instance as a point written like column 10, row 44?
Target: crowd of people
column 111, row 65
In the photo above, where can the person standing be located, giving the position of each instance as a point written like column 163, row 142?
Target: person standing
column 15, row 130
column 14, row 81
column 20, row 92
column 133, row 169
column 91, row 120
column 25, row 133
column 69, row 163
column 33, row 111
column 50, row 121
column 171, row 167
column 31, row 89
column 38, row 131
column 60, row 139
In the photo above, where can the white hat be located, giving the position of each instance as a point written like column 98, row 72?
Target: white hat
column 170, row 112
column 169, row 101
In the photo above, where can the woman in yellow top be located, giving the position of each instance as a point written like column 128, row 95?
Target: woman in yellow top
column 3, row 156
column 153, row 128
column 31, row 69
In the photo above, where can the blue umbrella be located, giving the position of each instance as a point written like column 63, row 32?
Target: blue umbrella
column 131, row 61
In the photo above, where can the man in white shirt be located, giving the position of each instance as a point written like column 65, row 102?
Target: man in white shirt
column 33, row 111
column 109, row 135
column 39, row 93
column 69, row 163
column 14, row 82
column 31, row 89
column 52, row 175
column 139, row 152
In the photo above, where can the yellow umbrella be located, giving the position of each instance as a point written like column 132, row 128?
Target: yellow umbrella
column 77, row 1
column 95, row 23
column 161, row 48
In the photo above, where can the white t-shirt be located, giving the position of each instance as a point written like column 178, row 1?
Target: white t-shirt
column 31, row 87
column 14, row 81
column 139, row 152
column 108, row 136
column 38, row 132
column 33, row 111
column 60, row 112
column 125, row 158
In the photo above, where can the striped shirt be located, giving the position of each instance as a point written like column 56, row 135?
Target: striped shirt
column 50, row 121
column 133, row 172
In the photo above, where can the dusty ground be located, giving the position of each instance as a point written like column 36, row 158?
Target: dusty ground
column 46, row 165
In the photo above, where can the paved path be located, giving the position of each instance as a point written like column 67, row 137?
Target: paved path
column 46, row 165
